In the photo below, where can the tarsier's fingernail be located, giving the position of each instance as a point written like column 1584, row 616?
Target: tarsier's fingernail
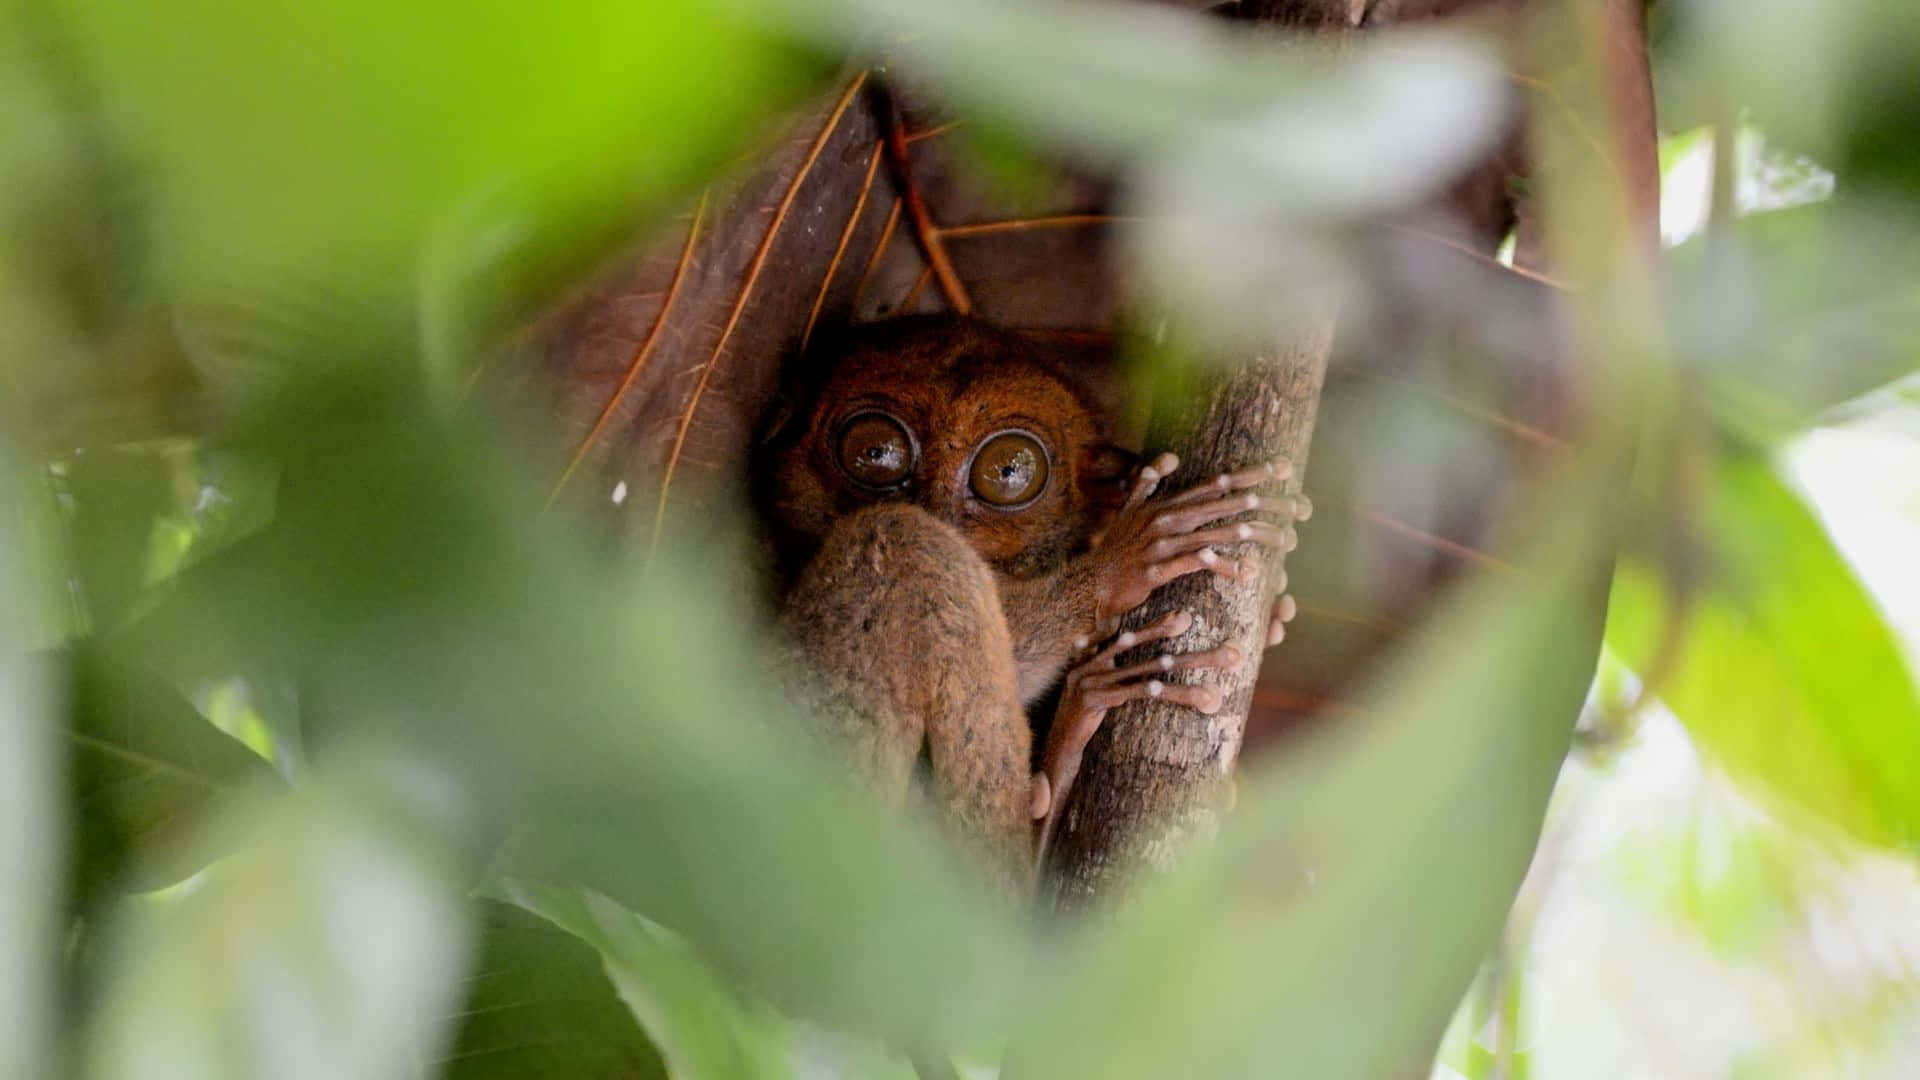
column 1166, row 663
column 1243, row 531
column 1161, row 521
column 1289, row 540
column 1149, row 474
column 1081, row 642
column 1288, row 608
column 1223, row 481
column 1303, row 507
column 1179, row 621
column 1155, row 688
column 1280, row 580
column 1208, row 556
column 1166, row 463
column 1253, row 502
column 1153, row 573
column 1276, row 632
column 1210, row 701
column 1282, row 468
column 1126, row 638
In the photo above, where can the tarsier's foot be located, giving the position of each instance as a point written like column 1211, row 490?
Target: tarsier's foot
column 1098, row 684
column 1155, row 540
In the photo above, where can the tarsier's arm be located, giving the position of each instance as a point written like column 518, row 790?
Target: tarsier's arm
column 1057, row 618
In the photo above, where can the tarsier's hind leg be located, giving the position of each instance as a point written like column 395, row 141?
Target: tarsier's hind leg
column 898, row 626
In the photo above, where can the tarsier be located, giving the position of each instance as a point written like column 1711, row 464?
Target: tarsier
column 957, row 531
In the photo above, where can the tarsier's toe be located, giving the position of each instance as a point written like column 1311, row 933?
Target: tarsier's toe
column 1040, row 799
column 1284, row 609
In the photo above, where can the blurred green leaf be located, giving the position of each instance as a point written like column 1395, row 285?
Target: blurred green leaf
column 117, row 498
column 1344, row 911
column 625, row 730
column 1819, row 75
column 307, row 173
column 1222, row 134
column 703, row 1028
column 1794, row 312
column 1132, row 82
column 147, row 771
column 29, row 823
column 329, row 945
column 1787, row 673
column 539, row 1003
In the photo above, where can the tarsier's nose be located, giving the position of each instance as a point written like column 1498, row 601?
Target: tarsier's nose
column 935, row 491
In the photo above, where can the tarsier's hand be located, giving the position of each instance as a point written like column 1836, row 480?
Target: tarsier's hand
column 1152, row 541
column 1098, row 684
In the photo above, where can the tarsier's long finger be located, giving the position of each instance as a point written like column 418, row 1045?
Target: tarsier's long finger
column 1221, row 658
column 1098, row 688
column 1284, row 609
column 1205, row 559
column 1166, row 626
column 1147, row 480
column 1266, row 534
column 1240, row 480
column 1187, row 519
column 1205, row 699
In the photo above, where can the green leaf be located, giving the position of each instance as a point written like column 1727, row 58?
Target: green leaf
column 1787, row 673
column 331, row 943
column 539, row 1003
column 624, row 729
column 704, row 1029
column 1341, row 917
column 1796, row 311
column 146, row 770
column 381, row 150
column 118, row 498
column 1222, row 134
column 29, row 824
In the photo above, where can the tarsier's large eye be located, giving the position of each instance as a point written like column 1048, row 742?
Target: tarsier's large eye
column 875, row 450
column 1009, row 469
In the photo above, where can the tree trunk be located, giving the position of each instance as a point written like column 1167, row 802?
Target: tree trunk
column 1157, row 775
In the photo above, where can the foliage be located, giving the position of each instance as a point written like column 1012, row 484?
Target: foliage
column 541, row 811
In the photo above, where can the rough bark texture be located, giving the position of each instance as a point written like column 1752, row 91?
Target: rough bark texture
column 1157, row 774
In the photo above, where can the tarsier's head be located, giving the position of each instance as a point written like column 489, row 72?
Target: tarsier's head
column 977, row 425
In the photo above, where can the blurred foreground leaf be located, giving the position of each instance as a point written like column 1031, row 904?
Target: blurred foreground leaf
column 330, row 945
column 147, row 772
column 1222, row 133
column 1334, row 928
column 324, row 174
column 703, row 1028
column 1787, row 673
column 29, row 844
column 623, row 730
column 1793, row 312
column 539, row 1003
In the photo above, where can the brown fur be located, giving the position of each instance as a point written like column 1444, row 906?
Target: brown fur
column 926, row 618
column 897, row 629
